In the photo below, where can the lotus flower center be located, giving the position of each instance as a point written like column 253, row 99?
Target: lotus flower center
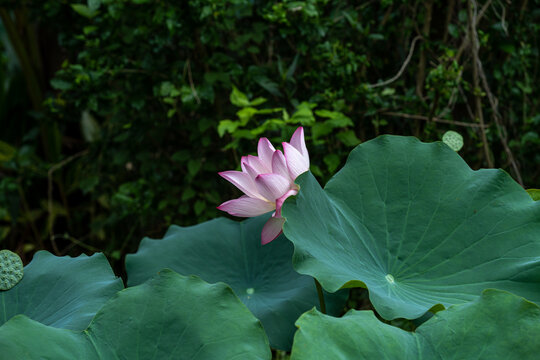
column 389, row 278
column 250, row 291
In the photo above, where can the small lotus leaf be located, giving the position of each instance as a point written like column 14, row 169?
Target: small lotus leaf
column 497, row 325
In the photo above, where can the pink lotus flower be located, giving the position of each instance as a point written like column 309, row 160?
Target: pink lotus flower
column 267, row 180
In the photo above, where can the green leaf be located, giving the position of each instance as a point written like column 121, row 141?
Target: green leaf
column 238, row 98
column 332, row 162
column 348, row 138
column 62, row 292
column 84, row 10
column 245, row 114
column 4, row 231
column 497, row 325
column 418, row 227
column 534, row 193
column 231, row 252
column 171, row 112
column 376, row 36
column 321, row 129
column 59, row 84
column 93, row 5
column 303, row 114
column 268, row 85
column 169, row 317
column 292, row 67
column 90, row 127
column 336, row 118
column 269, row 111
column 388, row 91
column 188, row 193
column 7, row 152
column 257, row 101
column 194, row 165
column 87, row 30
column 166, row 88
column 199, row 207
column 227, row 126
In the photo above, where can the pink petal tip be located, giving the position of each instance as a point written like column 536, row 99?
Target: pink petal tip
column 272, row 229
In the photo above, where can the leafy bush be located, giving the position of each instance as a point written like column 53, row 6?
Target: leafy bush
column 153, row 98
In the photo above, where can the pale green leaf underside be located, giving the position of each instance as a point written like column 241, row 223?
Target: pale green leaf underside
column 62, row 292
column 417, row 226
column 497, row 325
column 222, row 250
column 169, row 317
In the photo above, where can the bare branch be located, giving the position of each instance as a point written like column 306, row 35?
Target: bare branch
column 499, row 123
column 465, row 42
column 473, row 38
column 50, row 173
column 403, row 67
column 193, row 90
column 497, row 119
column 434, row 119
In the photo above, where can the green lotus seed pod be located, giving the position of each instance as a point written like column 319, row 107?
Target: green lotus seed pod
column 453, row 140
column 11, row 269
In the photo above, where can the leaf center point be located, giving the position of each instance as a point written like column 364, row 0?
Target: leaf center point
column 389, row 278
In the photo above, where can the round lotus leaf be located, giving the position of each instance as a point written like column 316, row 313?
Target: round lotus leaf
column 168, row 317
column 497, row 325
column 11, row 269
column 453, row 139
column 222, row 250
column 62, row 292
column 416, row 226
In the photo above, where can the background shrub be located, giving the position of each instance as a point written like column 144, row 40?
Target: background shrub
column 118, row 114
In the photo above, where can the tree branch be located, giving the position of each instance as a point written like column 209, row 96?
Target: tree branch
column 403, row 67
column 479, row 115
column 434, row 119
column 50, row 173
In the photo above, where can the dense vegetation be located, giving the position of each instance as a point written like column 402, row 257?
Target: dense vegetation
column 118, row 114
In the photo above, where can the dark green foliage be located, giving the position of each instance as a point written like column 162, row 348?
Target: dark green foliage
column 127, row 137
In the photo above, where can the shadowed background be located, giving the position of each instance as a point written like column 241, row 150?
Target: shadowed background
column 116, row 115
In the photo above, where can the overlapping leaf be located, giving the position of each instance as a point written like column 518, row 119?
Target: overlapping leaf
column 169, row 317
column 62, row 292
column 497, row 325
column 418, row 227
column 231, row 252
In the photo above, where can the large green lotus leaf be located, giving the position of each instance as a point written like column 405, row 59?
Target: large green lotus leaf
column 416, row 226
column 62, row 292
column 497, row 325
column 168, row 317
column 231, row 252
